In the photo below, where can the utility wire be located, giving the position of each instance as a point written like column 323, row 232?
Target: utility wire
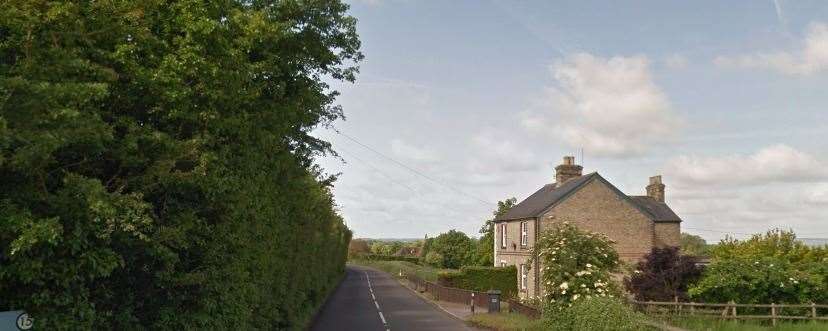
column 413, row 170
column 367, row 164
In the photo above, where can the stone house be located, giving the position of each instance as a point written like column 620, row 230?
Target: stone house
column 635, row 223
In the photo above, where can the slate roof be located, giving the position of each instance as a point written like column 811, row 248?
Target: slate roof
column 659, row 210
column 549, row 195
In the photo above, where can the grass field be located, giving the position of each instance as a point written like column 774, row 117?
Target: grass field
column 506, row 322
column 394, row 268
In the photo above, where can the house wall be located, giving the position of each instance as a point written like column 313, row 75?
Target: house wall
column 667, row 234
column 596, row 207
column 515, row 254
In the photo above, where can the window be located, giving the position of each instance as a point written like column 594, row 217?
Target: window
column 524, row 277
column 502, row 264
column 503, row 235
column 524, row 234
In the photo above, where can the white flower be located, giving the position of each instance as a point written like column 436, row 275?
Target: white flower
column 564, row 285
column 589, row 265
column 781, row 284
column 583, row 285
column 574, row 297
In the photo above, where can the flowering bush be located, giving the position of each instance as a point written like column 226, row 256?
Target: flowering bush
column 575, row 265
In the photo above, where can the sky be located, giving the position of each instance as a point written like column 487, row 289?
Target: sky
column 460, row 104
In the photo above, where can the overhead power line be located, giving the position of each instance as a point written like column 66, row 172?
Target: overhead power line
column 368, row 164
column 419, row 173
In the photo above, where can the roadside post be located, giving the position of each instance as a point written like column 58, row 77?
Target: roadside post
column 494, row 301
column 472, row 303
column 15, row 320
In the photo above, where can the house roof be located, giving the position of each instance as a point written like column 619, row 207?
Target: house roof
column 659, row 210
column 548, row 195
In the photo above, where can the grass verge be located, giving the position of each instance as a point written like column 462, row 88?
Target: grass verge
column 506, row 322
column 394, row 267
column 704, row 324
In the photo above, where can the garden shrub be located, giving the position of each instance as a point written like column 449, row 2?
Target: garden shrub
column 594, row 313
column 575, row 264
column 767, row 268
column 482, row 279
column 378, row 257
column 434, row 259
column 663, row 275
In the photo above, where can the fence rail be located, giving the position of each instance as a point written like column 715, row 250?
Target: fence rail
column 731, row 310
column 449, row 294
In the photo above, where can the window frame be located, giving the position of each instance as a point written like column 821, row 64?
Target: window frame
column 524, row 277
column 524, row 234
column 503, row 237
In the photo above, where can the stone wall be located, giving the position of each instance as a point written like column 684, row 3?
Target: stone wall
column 667, row 234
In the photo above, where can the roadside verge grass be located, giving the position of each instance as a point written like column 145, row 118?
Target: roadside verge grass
column 704, row 324
column 506, row 322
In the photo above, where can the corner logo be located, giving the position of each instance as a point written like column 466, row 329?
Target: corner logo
column 24, row 322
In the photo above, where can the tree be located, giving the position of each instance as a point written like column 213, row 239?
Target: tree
column 485, row 246
column 158, row 170
column 456, row 248
column 575, row 265
column 693, row 245
column 358, row 247
column 663, row 275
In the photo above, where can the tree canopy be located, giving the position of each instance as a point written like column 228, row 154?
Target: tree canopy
column 485, row 246
column 156, row 163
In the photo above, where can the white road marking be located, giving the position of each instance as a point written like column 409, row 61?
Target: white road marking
column 382, row 318
column 373, row 297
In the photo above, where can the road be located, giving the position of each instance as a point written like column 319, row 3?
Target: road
column 372, row 300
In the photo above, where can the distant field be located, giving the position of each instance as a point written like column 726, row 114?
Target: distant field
column 395, row 267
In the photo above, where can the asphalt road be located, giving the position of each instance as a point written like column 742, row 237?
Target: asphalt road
column 372, row 300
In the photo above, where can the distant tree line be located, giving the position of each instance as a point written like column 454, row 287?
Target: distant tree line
column 157, row 169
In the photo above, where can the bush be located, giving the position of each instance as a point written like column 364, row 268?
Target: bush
column 595, row 313
column 455, row 247
column 482, row 279
column 663, row 275
column 767, row 268
column 576, row 264
column 434, row 259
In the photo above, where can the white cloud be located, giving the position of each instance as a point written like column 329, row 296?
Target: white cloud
column 776, row 163
column 675, row 61
column 609, row 107
column 410, row 152
column 810, row 59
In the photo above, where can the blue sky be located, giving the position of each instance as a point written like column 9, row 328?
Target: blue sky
column 727, row 100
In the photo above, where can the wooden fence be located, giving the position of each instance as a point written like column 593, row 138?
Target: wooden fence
column 449, row 294
column 731, row 310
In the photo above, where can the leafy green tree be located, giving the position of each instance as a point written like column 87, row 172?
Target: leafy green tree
column 693, row 245
column 575, row 265
column 456, row 248
column 434, row 259
column 156, row 162
column 485, row 246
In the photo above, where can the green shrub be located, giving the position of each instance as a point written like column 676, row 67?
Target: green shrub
column 434, row 259
column 482, row 279
column 595, row 313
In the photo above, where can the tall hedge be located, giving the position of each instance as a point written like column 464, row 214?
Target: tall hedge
column 156, row 166
column 482, row 279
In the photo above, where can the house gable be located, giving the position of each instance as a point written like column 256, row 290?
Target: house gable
column 598, row 206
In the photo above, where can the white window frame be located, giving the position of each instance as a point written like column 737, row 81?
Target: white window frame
column 503, row 237
column 503, row 264
column 524, row 234
column 524, row 277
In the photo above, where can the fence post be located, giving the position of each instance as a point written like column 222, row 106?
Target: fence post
column 734, row 308
column 773, row 313
column 692, row 308
column 472, row 303
column 813, row 311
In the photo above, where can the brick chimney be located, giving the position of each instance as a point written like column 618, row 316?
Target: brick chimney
column 656, row 189
column 567, row 170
